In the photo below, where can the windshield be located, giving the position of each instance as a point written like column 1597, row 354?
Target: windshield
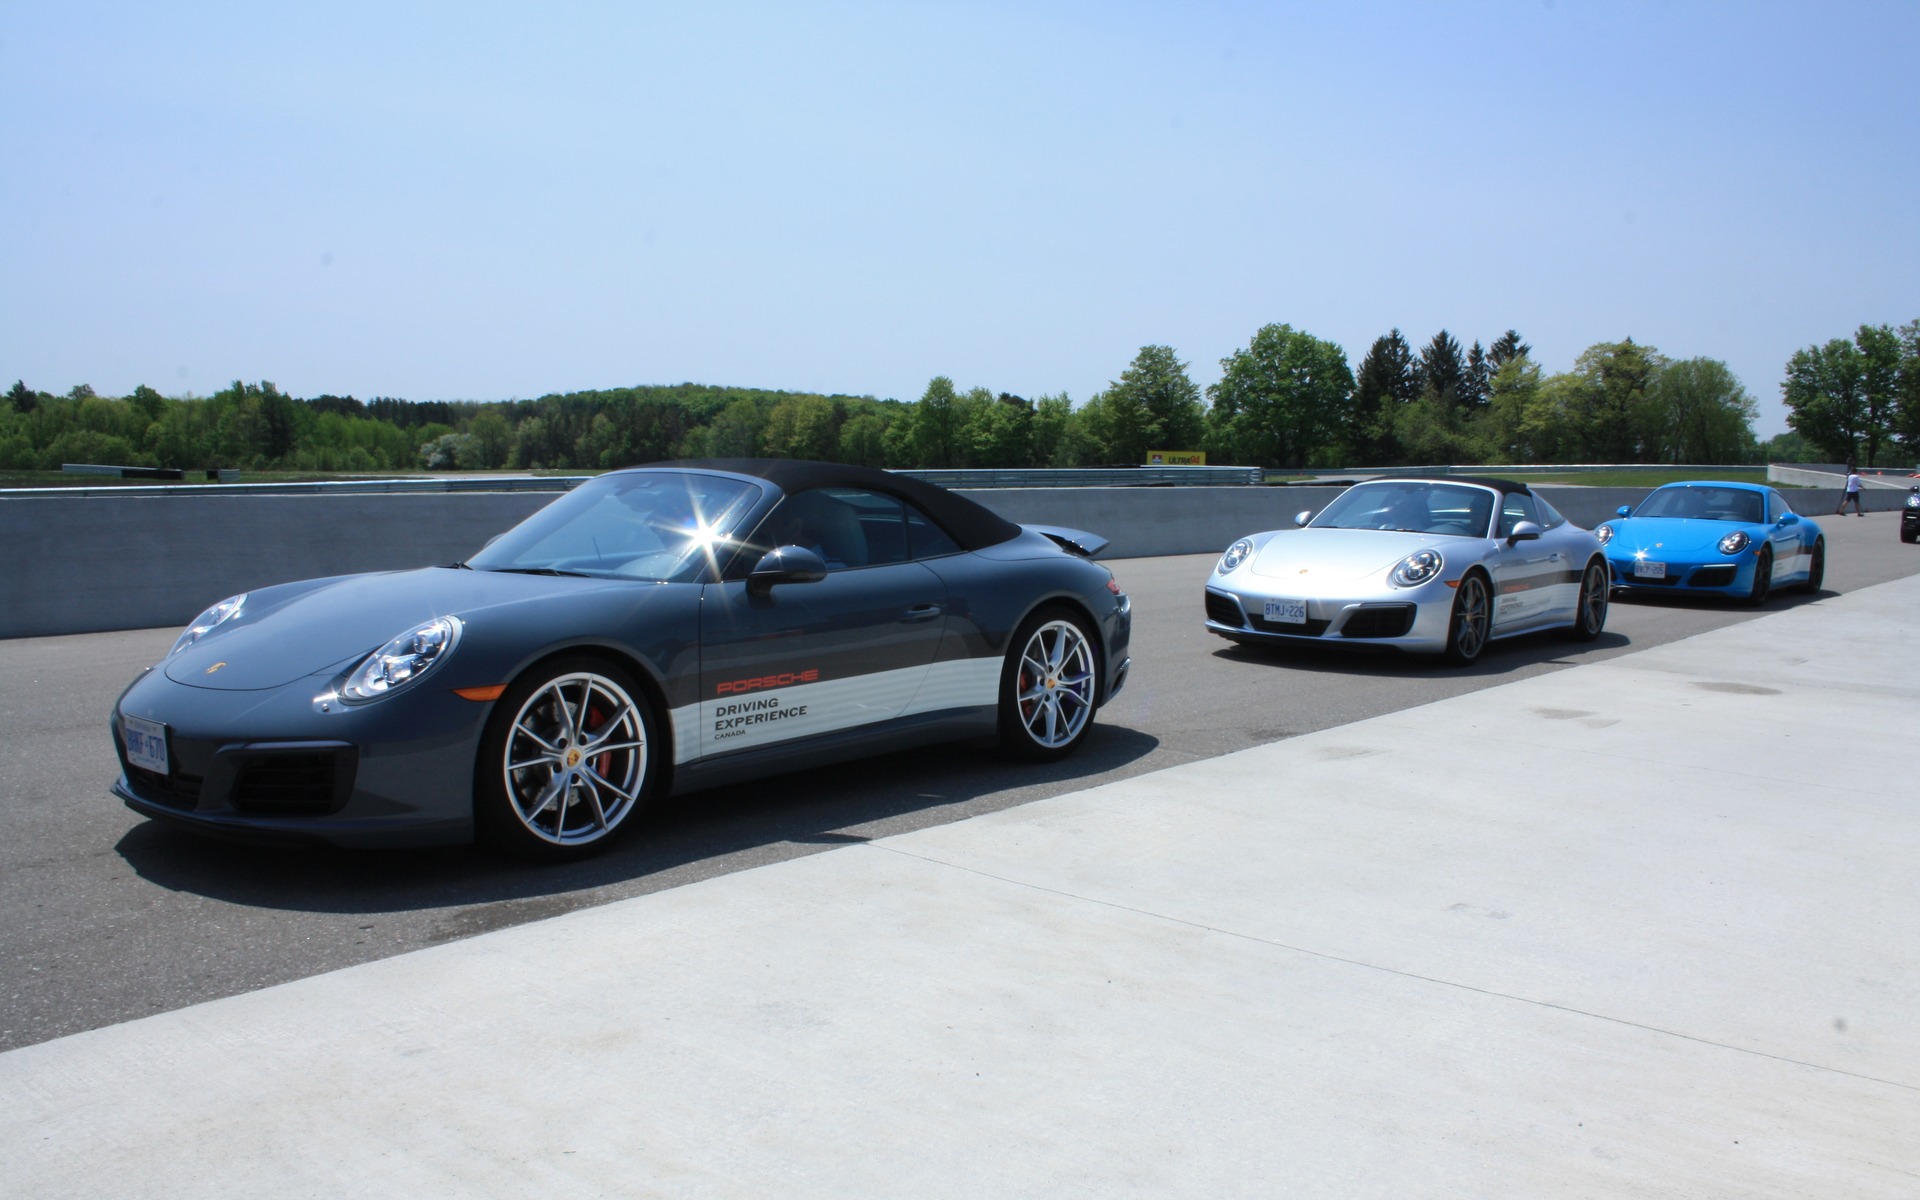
column 1411, row 507
column 650, row 525
column 1703, row 503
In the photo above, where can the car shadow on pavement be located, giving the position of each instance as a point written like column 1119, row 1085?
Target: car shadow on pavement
column 1789, row 597
column 679, row 840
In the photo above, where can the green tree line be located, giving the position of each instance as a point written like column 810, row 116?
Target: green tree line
column 1286, row 400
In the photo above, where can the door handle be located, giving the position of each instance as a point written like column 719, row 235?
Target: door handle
column 922, row 612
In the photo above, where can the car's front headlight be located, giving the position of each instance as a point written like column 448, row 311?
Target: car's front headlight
column 203, row 624
column 402, row 660
column 1734, row 542
column 1913, row 501
column 1415, row 569
column 1604, row 533
column 1236, row 554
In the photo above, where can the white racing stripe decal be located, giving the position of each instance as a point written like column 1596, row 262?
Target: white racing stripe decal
column 726, row 723
column 962, row 683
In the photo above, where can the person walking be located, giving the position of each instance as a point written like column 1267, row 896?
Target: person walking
column 1852, row 494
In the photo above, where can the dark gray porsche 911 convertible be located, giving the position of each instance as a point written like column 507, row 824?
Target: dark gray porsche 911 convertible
column 661, row 629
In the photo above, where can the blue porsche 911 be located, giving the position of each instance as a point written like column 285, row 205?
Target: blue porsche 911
column 1714, row 538
column 666, row 628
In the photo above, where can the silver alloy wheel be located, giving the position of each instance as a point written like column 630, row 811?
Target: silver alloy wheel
column 1054, row 685
column 575, row 758
column 1468, row 633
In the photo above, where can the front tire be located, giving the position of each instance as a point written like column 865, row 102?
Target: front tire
column 567, row 761
column 1049, row 686
column 1470, row 620
column 1590, row 611
column 1762, row 578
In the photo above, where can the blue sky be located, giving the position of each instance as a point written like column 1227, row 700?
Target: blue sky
column 474, row 201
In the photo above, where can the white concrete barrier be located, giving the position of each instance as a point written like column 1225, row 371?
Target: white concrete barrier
column 83, row 565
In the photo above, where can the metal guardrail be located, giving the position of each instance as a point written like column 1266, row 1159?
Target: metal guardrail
column 972, row 478
column 1706, row 471
column 959, row 479
column 344, row 487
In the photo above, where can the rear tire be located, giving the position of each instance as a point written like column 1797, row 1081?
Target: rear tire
column 1762, row 578
column 1590, row 612
column 1470, row 621
column 567, row 762
column 1049, row 686
column 1817, row 567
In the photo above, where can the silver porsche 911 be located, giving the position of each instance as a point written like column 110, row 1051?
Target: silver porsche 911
column 1436, row 566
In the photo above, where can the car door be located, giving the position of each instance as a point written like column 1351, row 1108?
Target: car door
column 1792, row 543
column 1531, row 573
column 811, row 658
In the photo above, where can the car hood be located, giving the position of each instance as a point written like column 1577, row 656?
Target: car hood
column 1677, row 535
column 322, row 627
column 1341, row 554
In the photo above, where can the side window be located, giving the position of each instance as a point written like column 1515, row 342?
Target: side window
column 853, row 527
column 827, row 522
column 1777, row 505
column 1515, row 507
column 882, row 523
column 1549, row 515
column 926, row 539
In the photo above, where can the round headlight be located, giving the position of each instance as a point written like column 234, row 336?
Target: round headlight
column 203, row 624
column 1734, row 542
column 1604, row 533
column 402, row 660
column 1913, row 501
column 1417, row 568
column 1236, row 554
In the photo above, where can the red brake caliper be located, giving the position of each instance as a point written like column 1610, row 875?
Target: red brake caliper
column 604, row 763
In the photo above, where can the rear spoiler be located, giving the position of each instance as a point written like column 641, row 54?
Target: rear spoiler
column 1076, row 541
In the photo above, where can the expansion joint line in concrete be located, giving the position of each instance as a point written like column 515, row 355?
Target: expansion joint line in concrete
column 1410, row 975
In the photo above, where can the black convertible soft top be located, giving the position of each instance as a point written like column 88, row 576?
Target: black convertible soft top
column 972, row 525
column 1502, row 485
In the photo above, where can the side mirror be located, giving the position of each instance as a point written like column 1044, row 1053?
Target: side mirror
column 1525, row 531
column 1787, row 519
column 1625, row 510
column 1306, row 514
column 785, row 564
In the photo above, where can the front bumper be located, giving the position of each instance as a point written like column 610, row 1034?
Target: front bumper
column 1417, row 622
column 265, row 766
column 1733, row 576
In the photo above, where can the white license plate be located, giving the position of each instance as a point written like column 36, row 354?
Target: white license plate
column 146, row 743
column 1286, row 612
column 1649, row 570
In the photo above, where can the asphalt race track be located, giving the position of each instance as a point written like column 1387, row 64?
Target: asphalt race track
column 112, row 918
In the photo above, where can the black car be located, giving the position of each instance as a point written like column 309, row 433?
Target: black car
column 661, row 629
column 1910, row 516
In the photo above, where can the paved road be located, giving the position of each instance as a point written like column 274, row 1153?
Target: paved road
column 112, row 918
